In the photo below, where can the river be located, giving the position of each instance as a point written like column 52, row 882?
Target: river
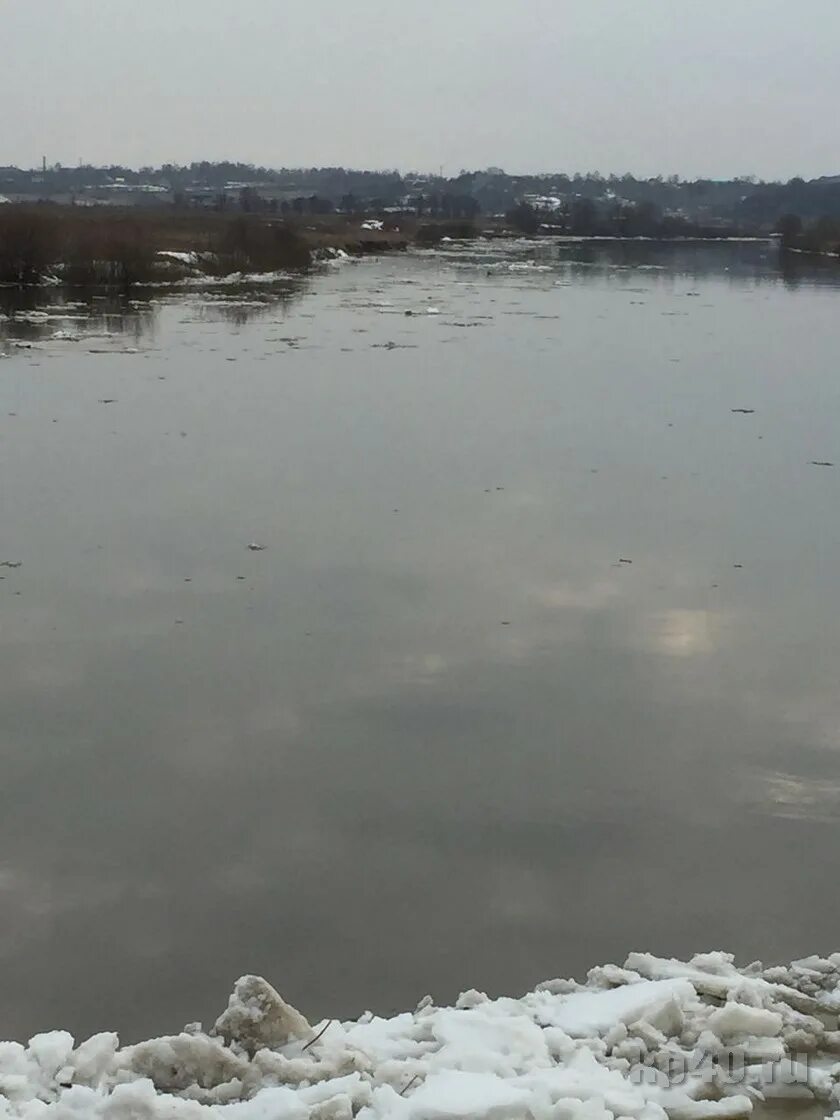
column 536, row 662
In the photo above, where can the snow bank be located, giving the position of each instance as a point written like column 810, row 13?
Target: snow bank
column 653, row 1040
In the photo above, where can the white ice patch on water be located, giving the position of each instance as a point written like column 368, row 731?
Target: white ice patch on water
column 32, row 316
column 231, row 280
column 330, row 255
column 190, row 259
column 650, row 1040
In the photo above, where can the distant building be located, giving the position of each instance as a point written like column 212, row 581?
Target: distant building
column 121, row 193
column 544, row 201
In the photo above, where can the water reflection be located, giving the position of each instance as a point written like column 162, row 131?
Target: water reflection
column 57, row 314
column 538, row 664
column 34, row 315
column 657, row 263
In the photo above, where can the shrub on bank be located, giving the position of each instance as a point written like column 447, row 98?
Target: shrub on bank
column 28, row 242
column 115, row 253
column 118, row 248
column 433, row 232
column 250, row 244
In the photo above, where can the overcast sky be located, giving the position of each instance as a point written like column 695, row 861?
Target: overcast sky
column 711, row 87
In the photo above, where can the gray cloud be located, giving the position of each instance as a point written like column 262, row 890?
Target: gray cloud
column 715, row 88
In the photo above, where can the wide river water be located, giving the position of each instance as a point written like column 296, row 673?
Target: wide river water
column 538, row 662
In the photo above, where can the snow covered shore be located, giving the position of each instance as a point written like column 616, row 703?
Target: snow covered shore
column 652, row 1040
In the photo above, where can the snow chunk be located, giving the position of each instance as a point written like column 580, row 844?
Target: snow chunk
column 593, row 1013
column 477, row 1096
column 92, row 1060
column 51, row 1051
column 714, row 974
column 482, row 1041
column 730, row 1108
column 734, row 1019
column 257, row 1016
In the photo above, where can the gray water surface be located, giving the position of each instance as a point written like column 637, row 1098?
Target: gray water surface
column 439, row 733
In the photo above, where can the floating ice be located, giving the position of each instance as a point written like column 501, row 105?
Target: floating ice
column 191, row 259
column 32, row 316
column 331, row 255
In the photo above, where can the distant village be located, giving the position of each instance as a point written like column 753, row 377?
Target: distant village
column 561, row 203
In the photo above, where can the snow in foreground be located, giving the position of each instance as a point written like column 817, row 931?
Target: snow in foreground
column 652, row 1040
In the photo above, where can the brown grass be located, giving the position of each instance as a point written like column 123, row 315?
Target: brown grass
column 107, row 246
column 116, row 247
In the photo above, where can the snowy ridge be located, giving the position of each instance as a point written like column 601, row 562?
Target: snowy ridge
column 653, row 1040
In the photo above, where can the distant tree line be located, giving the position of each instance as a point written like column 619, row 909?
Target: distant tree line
column 820, row 236
column 810, row 201
column 251, row 202
column 583, row 217
column 445, row 205
column 621, row 201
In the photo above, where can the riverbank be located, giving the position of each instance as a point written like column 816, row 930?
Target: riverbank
column 97, row 246
column 654, row 1039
